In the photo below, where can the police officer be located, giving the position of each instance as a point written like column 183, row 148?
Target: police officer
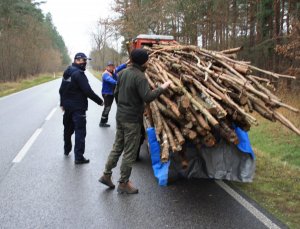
column 109, row 81
column 74, row 91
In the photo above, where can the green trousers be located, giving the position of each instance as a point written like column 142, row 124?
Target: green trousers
column 127, row 141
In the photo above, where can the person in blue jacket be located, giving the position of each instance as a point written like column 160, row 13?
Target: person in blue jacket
column 109, row 81
column 74, row 93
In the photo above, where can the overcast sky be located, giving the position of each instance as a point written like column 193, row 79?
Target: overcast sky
column 75, row 20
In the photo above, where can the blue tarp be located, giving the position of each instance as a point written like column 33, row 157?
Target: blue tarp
column 244, row 142
column 161, row 170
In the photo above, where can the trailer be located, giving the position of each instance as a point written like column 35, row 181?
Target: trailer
column 222, row 161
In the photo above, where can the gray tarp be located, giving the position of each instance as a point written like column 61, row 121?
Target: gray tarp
column 223, row 161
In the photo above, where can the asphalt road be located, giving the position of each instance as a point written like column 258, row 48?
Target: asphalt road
column 44, row 189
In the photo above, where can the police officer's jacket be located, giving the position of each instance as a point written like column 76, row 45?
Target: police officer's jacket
column 75, row 89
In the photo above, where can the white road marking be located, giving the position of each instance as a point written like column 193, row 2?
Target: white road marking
column 32, row 139
column 51, row 114
column 254, row 211
column 27, row 146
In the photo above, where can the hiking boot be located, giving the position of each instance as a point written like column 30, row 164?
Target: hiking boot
column 106, row 179
column 104, row 125
column 127, row 188
column 82, row 161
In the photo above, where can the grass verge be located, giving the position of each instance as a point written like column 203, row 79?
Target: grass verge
column 8, row 88
column 276, row 186
column 97, row 74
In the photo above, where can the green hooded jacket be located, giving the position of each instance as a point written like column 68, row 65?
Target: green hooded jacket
column 132, row 92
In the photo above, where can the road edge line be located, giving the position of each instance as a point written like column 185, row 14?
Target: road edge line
column 253, row 210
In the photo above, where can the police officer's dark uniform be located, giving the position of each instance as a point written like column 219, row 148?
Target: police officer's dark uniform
column 74, row 91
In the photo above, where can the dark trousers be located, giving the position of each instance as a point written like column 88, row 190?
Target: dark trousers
column 75, row 121
column 108, row 100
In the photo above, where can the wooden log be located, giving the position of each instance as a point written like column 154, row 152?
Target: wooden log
column 231, row 80
column 192, row 90
column 148, row 114
column 151, row 83
column 210, row 103
column 171, row 105
column 238, row 119
column 174, row 147
column 232, row 50
column 146, row 122
column 241, row 68
column 286, row 122
column 232, row 56
column 190, row 117
column 250, row 106
column 167, row 112
column 209, row 117
column 185, row 102
column 165, row 147
column 176, row 131
column 188, row 125
column 262, row 88
column 163, row 71
column 200, row 119
column 241, row 99
column 156, row 117
column 201, row 132
column 263, row 111
column 228, row 133
column 209, row 140
column 219, row 56
column 202, row 109
column 190, row 134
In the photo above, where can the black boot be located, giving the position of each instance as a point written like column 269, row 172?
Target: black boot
column 104, row 125
column 82, row 161
column 68, row 149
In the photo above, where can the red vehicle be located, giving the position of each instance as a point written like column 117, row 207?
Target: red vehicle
column 149, row 40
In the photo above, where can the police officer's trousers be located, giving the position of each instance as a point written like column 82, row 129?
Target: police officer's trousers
column 75, row 121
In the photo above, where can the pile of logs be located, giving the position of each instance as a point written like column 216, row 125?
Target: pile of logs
column 210, row 93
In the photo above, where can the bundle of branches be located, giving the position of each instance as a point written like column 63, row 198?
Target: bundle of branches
column 211, row 92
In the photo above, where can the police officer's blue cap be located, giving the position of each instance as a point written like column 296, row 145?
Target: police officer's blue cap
column 110, row 63
column 81, row 55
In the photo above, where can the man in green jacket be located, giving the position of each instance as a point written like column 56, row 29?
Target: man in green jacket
column 131, row 93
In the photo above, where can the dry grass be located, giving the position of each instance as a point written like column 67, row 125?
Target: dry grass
column 12, row 87
column 292, row 99
column 97, row 74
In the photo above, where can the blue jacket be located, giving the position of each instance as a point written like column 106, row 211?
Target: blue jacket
column 109, row 80
column 75, row 89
